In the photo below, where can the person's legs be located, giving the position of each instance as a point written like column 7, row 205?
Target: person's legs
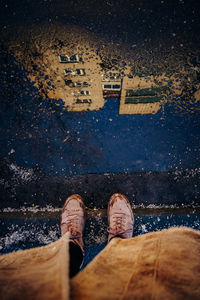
column 120, row 217
column 73, row 221
column 120, row 224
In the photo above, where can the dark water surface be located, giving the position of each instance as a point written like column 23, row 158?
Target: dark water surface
column 38, row 133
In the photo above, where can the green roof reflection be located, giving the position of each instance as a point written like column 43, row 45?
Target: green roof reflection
column 135, row 100
column 145, row 92
column 147, row 95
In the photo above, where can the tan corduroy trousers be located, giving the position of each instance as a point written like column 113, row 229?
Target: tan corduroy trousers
column 157, row 265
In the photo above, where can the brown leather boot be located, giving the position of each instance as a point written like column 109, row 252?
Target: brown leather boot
column 120, row 217
column 73, row 220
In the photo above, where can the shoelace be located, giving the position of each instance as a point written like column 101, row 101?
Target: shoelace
column 73, row 225
column 118, row 226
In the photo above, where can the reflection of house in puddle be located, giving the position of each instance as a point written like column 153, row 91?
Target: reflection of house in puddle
column 111, row 85
column 82, row 80
column 143, row 100
column 86, row 87
column 133, row 100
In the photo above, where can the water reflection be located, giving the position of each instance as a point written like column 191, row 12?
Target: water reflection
column 97, row 89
